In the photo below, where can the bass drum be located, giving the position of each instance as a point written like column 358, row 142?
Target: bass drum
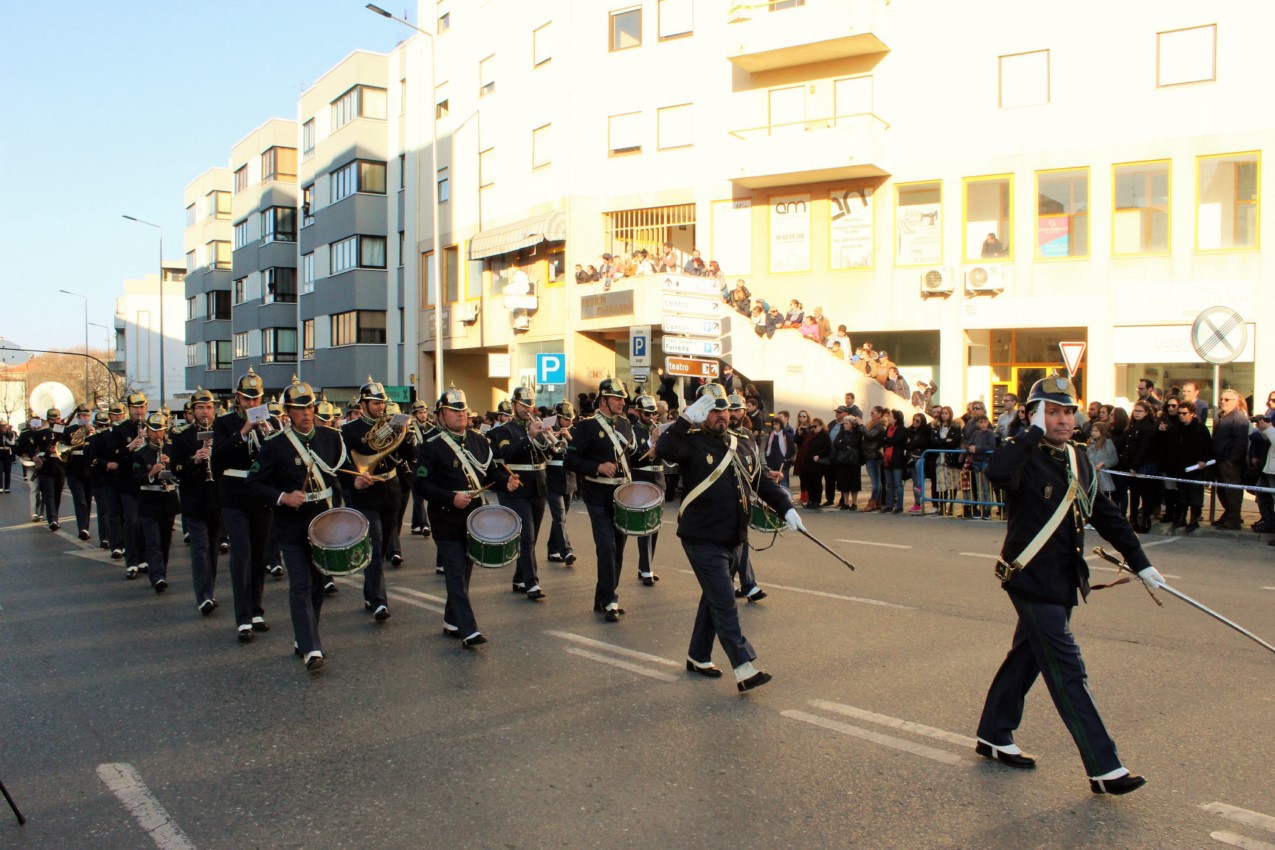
column 639, row 508
column 339, row 542
column 495, row 534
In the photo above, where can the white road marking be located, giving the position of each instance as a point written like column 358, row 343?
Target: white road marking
column 1244, row 816
column 826, row 595
column 610, row 647
column 623, row 665
column 1268, row 588
column 931, row 753
column 894, row 723
column 397, row 596
column 1241, row 841
column 440, row 600
column 874, row 543
column 978, row 555
column 40, row 525
column 126, row 784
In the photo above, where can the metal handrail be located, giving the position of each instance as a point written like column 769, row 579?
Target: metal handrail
column 806, row 122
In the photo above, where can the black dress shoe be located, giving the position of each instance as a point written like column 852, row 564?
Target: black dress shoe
column 518, row 587
column 535, row 594
column 245, row 634
column 756, row 680
column 570, row 558
column 712, row 671
column 206, row 607
column 649, row 581
column 1119, row 785
column 476, row 639
column 396, row 560
column 1020, row 760
column 314, row 662
column 259, row 624
column 329, row 587
column 613, row 615
column 451, row 633
column 425, row 532
column 556, row 558
column 757, row 595
column 84, row 535
column 382, row 613
column 160, row 585
column 739, row 594
column 223, row 547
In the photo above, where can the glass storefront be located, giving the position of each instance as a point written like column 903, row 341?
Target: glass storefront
column 1021, row 357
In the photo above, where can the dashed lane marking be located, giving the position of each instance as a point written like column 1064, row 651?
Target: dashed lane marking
column 610, row 647
column 1238, row 815
column 874, row 543
column 126, row 784
column 941, row 756
column 623, row 665
column 826, row 595
column 440, row 600
column 398, row 596
column 1234, row 839
column 895, row 723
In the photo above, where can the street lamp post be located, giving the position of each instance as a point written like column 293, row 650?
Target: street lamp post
column 109, row 345
column 163, row 395
column 86, row 339
column 433, row 190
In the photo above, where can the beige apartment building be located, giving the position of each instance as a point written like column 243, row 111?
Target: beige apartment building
column 965, row 188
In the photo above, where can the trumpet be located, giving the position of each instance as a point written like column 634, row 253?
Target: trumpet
column 205, row 436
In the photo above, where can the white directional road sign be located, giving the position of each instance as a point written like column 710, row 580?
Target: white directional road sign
column 1219, row 335
column 693, row 347
column 685, row 305
column 640, row 345
column 692, row 285
column 692, row 326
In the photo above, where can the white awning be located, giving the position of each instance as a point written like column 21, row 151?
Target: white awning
column 547, row 227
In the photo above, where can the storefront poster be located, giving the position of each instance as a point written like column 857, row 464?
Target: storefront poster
column 850, row 228
column 790, row 233
column 919, row 230
column 1053, row 235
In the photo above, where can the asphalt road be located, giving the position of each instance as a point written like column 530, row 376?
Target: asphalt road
column 131, row 721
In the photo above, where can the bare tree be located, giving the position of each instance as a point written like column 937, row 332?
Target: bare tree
column 68, row 369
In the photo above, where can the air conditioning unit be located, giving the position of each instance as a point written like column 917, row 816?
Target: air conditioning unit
column 992, row 277
column 469, row 313
column 937, row 281
column 522, row 322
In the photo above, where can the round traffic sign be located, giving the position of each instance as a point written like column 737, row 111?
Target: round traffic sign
column 1219, row 335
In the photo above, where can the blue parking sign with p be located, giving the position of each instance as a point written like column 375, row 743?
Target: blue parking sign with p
column 551, row 369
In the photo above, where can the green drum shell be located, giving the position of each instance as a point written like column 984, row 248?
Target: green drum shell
column 639, row 508
column 494, row 536
column 762, row 518
column 339, row 542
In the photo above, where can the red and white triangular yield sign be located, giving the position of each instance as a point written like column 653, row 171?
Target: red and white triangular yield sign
column 1073, row 353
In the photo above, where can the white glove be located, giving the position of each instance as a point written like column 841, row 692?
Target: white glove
column 1038, row 416
column 794, row 521
column 1151, row 577
column 698, row 412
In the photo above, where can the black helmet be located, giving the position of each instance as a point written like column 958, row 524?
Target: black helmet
column 452, row 399
column 324, row 411
column 718, row 393
column 116, row 408
column 646, row 404
column 201, row 395
column 352, row 404
column 137, row 399
column 52, row 413
column 1055, row 388
column 101, row 418
column 505, row 408
column 524, row 395
column 736, row 401
column 156, row 421
column 372, row 391
column 250, row 385
column 300, row 394
column 612, row 388
column 275, row 408
column 564, row 408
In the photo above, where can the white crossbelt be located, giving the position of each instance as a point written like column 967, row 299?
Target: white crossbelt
column 325, row 493
column 610, row 481
column 555, row 463
column 236, row 473
column 650, row 469
column 525, row 467
column 157, row 488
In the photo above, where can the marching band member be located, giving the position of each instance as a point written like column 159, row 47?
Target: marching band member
column 713, row 526
column 236, row 441
column 646, row 467
column 751, row 463
column 520, row 447
column 156, row 498
column 325, row 414
column 296, row 473
column 126, row 438
column 50, row 470
column 421, row 428
column 560, row 484
column 201, row 511
column 79, row 469
column 373, row 493
column 453, row 466
column 110, row 511
column 98, row 480
column 404, row 458
column 598, row 455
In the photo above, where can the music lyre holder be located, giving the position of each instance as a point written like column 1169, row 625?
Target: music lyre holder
column 21, row 820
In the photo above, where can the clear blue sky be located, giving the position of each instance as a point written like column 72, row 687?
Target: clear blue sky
column 112, row 108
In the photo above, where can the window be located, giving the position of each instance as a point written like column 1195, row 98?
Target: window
column 190, row 308
column 279, row 285
column 988, row 205
column 442, row 109
column 542, row 44
column 541, row 155
column 217, row 305
column 779, row 5
column 1062, row 213
column 675, row 127
column 218, row 354
column 241, row 233
column 218, row 204
column 307, row 206
column 307, row 139
column 358, row 176
column 402, row 248
column 279, row 164
column 241, row 345
column 358, row 327
column 279, row 224
column 241, row 290
column 445, row 22
column 402, row 96
column 1186, row 56
column 451, row 274
column 365, row 252
column 307, row 339
column 343, row 255
column 278, row 345
column 241, row 179
column 487, row 76
column 918, row 224
column 190, row 215
column 192, row 261
column 487, row 167
column 358, row 102
column 307, row 273
column 624, row 133
column 219, row 255
column 1024, row 79
column 1226, row 204
column 444, row 186
column 1140, row 218
column 371, row 252
column 676, row 18
column 192, row 354
column 626, row 28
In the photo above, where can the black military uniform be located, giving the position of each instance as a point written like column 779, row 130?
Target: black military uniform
column 378, row 503
column 124, row 435
column 750, row 462
column 274, row 554
column 246, row 519
column 79, row 471
column 646, row 466
column 561, row 485
column 156, row 499
column 287, row 463
column 598, row 440
column 526, row 456
column 420, row 430
column 50, row 473
column 110, row 517
column 201, row 508
column 449, row 463
column 1036, row 478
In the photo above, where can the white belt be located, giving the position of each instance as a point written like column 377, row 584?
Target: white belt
column 525, row 467
column 610, row 481
column 78, row 452
column 650, row 469
column 157, row 488
column 236, row 473
column 325, row 493
column 555, row 463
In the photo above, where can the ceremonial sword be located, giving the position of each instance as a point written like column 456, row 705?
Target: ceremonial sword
column 1103, row 553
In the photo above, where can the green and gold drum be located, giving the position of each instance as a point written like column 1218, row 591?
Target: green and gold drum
column 495, row 533
column 339, row 542
column 762, row 518
column 639, row 508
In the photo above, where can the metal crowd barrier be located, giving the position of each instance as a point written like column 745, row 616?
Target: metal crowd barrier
column 978, row 484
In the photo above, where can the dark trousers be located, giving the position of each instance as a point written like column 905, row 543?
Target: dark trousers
column 717, row 616
column 374, row 575
column 133, row 547
column 6, row 472
column 110, row 517
column 203, row 554
column 420, row 519
column 608, row 542
column 249, row 532
column 274, row 552
column 81, row 498
column 458, row 614
column 1043, row 643
column 51, row 492
column 532, row 514
column 1265, row 504
column 1232, row 498
column 305, row 593
column 393, row 534
column 646, row 554
column 744, row 567
column 157, row 532
column 559, row 541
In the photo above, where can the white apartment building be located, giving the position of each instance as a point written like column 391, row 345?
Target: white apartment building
column 149, row 318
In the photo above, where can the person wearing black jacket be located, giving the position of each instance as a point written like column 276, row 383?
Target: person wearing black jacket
column 1140, row 445
column 50, row 470
column 713, row 526
column 646, row 467
column 818, row 463
column 126, row 438
column 110, row 516
column 201, row 511
column 919, row 437
column 519, row 446
column 561, row 485
column 847, row 460
column 378, row 501
column 156, row 498
column 1051, row 492
column 752, row 466
column 1191, row 448
column 79, row 470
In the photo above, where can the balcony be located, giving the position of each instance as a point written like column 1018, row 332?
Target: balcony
column 764, row 36
column 840, row 147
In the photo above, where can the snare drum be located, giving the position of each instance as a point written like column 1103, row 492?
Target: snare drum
column 762, row 518
column 639, row 508
column 339, row 542
column 495, row 535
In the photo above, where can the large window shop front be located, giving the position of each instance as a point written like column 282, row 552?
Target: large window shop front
column 1022, row 356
